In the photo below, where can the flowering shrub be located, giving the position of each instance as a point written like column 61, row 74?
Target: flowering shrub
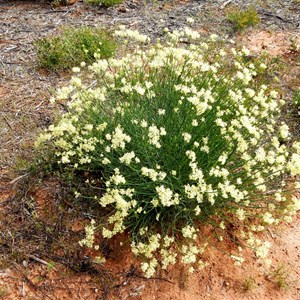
column 183, row 136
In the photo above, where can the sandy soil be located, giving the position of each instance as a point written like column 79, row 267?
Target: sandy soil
column 119, row 278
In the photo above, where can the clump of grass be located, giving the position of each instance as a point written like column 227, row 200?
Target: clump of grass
column 248, row 284
column 176, row 136
column 294, row 44
column 242, row 19
column 73, row 46
column 106, row 3
column 3, row 292
column 280, row 276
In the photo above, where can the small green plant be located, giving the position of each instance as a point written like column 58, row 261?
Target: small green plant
column 242, row 19
column 280, row 277
column 175, row 136
column 296, row 98
column 294, row 44
column 248, row 285
column 296, row 102
column 74, row 46
column 51, row 265
column 3, row 292
column 106, row 3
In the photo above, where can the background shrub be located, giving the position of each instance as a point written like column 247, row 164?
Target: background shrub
column 73, row 46
column 242, row 19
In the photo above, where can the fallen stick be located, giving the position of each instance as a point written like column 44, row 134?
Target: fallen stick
column 225, row 4
column 39, row 260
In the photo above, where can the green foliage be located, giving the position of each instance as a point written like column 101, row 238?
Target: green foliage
column 249, row 284
column 296, row 99
column 280, row 276
column 294, row 44
column 73, row 46
column 3, row 292
column 106, row 3
column 174, row 137
column 51, row 265
column 242, row 19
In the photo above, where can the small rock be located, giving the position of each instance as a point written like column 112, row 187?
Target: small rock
column 122, row 9
column 25, row 263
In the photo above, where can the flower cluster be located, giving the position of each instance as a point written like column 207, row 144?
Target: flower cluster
column 183, row 136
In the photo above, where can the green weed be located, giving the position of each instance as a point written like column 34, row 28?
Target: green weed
column 3, row 292
column 248, row 284
column 280, row 277
column 242, row 19
column 296, row 99
column 73, row 46
column 51, row 265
